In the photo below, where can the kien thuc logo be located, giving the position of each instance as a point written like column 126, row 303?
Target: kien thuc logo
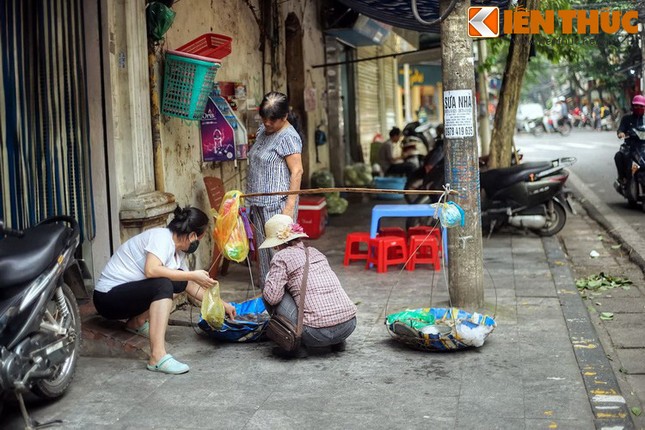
column 483, row 21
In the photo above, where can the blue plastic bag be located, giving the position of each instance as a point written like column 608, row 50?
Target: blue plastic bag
column 240, row 330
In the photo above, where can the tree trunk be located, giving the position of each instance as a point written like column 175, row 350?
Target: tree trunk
column 509, row 95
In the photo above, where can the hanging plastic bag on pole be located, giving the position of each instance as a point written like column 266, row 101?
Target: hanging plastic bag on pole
column 229, row 233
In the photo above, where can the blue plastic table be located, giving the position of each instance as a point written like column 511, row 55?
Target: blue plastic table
column 405, row 211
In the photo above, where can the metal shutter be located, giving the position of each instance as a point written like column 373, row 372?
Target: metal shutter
column 367, row 90
column 44, row 132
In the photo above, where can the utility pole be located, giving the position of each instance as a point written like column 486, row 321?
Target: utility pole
column 465, row 263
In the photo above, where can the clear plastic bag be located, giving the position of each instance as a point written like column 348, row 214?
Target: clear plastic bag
column 213, row 307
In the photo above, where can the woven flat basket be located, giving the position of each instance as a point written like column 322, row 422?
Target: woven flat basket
column 453, row 329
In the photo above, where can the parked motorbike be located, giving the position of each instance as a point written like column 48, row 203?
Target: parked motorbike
column 529, row 195
column 634, row 189
column 426, row 132
column 40, row 324
column 431, row 176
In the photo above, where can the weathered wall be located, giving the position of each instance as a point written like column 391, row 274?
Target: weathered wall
column 181, row 154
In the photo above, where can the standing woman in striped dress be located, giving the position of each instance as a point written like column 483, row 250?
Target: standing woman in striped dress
column 275, row 164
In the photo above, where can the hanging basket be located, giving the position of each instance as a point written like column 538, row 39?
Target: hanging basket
column 188, row 80
column 439, row 329
column 211, row 45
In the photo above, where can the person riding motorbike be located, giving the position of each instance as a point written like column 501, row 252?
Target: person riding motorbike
column 633, row 120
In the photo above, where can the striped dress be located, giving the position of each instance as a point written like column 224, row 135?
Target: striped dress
column 268, row 172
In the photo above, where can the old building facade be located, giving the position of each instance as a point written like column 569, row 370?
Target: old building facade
column 79, row 112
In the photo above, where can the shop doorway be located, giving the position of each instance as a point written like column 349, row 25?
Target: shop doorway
column 294, row 61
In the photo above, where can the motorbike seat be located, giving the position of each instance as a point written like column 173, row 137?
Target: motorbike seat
column 23, row 259
column 496, row 179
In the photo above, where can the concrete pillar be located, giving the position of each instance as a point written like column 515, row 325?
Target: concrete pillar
column 140, row 206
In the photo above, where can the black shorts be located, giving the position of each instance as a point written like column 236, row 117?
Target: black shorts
column 134, row 298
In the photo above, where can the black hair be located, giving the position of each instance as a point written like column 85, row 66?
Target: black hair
column 274, row 106
column 395, row 131
column 188, row 220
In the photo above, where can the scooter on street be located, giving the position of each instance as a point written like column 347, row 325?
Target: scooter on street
column 529, row 195
column 634, row 188
column 40, row 324
column 533, row 126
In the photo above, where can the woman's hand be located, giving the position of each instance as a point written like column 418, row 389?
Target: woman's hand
column 201, row 278
column 229, row 310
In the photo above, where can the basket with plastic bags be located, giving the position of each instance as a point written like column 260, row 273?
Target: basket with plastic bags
column 439, row 329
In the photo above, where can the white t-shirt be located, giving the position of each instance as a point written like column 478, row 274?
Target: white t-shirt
column 128, row 262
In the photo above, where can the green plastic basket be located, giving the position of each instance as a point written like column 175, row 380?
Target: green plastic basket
column 187, row 84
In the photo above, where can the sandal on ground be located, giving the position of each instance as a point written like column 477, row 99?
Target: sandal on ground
column 144, row 330
column 169, row 365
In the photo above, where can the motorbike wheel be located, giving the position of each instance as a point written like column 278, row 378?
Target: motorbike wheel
column 565, row 129
column 555, row 220
column 537, row 130
column 64, row 373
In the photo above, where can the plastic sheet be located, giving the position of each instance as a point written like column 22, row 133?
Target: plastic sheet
column 251, row 319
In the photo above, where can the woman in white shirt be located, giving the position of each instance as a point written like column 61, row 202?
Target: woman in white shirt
column 139, row 281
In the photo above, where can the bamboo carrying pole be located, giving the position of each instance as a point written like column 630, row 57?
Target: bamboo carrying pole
column 349, row 190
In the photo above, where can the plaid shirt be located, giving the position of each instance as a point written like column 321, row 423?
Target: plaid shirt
column 326, row 303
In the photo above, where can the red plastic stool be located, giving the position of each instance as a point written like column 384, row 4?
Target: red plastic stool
column 424, row 230
column 385, row 251
column 353, row 250
column 423, row 250
column 392, row 231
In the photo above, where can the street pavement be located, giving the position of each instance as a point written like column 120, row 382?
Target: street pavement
column 550, row 363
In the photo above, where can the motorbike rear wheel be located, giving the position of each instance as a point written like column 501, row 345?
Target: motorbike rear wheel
column 64, row 373
column 631, row 190
column 556, row 219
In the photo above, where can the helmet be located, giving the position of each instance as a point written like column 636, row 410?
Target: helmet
column 638, row 100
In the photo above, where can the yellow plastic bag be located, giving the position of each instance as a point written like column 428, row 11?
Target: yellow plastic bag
column 229, row 233
column 213, row 307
